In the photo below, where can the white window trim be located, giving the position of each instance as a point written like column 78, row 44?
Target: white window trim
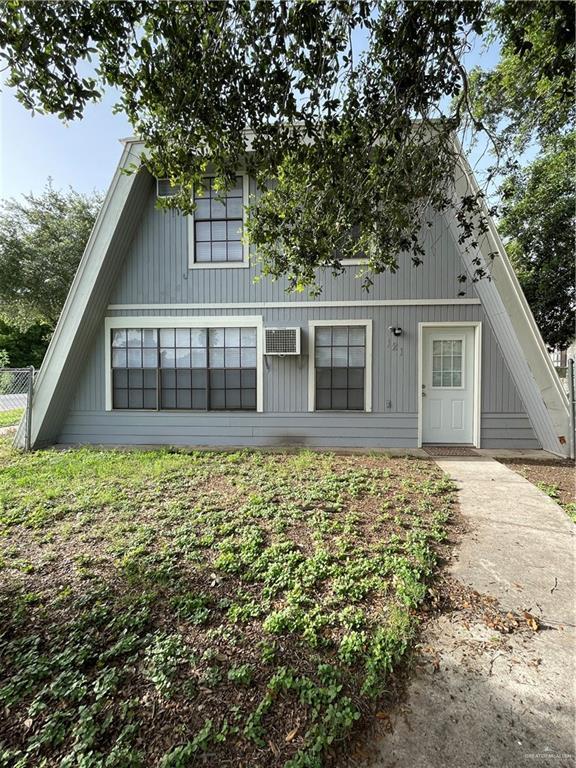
column 192, row 264
column 312, row 325
column 477, row 326
column 248, row 321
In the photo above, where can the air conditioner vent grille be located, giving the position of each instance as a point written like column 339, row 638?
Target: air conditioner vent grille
column 282, row 341
column 165, row 189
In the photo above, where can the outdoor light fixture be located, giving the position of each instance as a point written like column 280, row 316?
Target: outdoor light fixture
column 395, row 331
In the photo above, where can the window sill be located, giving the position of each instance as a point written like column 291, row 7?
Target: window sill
column 220, row 265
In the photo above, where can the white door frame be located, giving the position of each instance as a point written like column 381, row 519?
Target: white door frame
column 477, row 325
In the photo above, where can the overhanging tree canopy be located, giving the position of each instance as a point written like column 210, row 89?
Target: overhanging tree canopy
column 356, row 139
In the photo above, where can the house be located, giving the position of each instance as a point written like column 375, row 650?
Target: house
column 166, row 338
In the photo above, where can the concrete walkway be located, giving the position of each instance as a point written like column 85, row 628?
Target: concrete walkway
column 497, row 701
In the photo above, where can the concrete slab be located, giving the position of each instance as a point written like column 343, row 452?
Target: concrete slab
column 497, row 701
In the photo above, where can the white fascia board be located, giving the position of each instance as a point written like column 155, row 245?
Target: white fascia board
column 82, row 287
column 515, row 327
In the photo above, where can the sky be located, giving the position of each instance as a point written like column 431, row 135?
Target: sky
column 84, row 153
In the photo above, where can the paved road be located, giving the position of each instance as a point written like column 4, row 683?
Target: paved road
column 497, row 701
column 9, row 402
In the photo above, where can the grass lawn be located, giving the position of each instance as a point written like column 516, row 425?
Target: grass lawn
column 10, row 418
column 172, row 608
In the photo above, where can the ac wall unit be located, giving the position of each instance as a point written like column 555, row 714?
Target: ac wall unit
column 165, row 189
column 282, row 341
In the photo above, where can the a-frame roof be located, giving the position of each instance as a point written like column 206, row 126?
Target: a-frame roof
column 501, row 296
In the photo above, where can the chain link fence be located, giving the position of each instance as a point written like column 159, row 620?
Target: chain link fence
column 16, row 386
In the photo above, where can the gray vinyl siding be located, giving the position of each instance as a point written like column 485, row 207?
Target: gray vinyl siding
column 155, row 270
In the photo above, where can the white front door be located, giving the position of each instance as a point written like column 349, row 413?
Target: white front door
column 448, row 382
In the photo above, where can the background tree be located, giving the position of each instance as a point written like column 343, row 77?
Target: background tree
column 539, row 221
column 527, row 102
column 42, row 239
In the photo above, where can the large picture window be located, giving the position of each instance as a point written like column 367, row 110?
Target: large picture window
column 218, row 220
column 198, row 369
column 340, row 368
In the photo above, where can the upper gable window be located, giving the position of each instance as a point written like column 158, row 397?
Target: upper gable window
column 216, row 226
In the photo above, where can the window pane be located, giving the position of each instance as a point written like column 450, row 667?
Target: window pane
column 150, row 398
column 199, row 358
column 356, row 399
column 248, row 357
column 203, row 252
column 234, row 229
column 216, row 337
column 355, row 377
column 184, row 398
column 323, row 337
column 232, row 357
column 183, row 358
column 339, row 357
column 232, row 379
column 134, row 358
column 119, row 338
column 216, row 357
column 446, row 379
column 168, row 398
column 324, row 378
column 167, row 358
column 135, row 398
column 134, row 337
column 339, row 399
column 198, row 337
column 202, row 208
column 182, row 337
column 149, row 337
column 248, row 337
column 248, row 399
column 120, row 398
column 323, row 399
column 234, row 208
column 217, row 399
column 150, row 358
column 149, row 379
column 339, row 336
column 457, row 379
column 233, row 398
column 248, row 379
column 339, row 378
column 437, row 379
column 120, row 379
column 235, row 252
column 199, row 379
column 218, row 230
column 324, row 357
column 356, row 356
column 217, row 380
column 357, row 334
column 119, row 358
column 167, row 337
column 202, row 231
column 218, row 251
column 218, row 209
column 232, row 337
column 199, row 399
column 135, row 379
column 168, row 379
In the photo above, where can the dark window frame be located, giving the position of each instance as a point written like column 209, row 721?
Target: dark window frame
column 210, row 196
column 340, row 397
column 247, row 395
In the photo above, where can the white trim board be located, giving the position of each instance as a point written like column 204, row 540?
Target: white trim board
column 312, row 325
column 298, row 304
column 477, row 325
column 248, row 321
